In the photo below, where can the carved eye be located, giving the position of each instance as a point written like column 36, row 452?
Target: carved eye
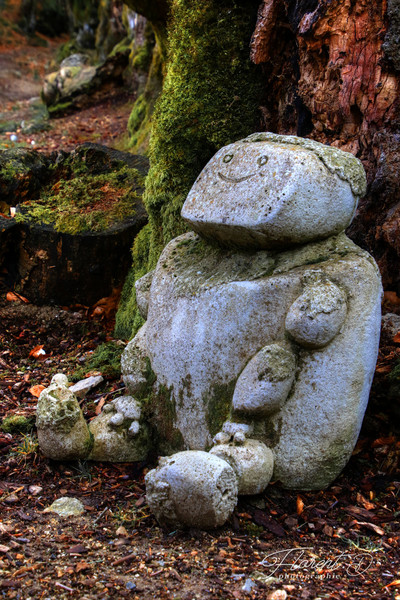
column 227, row 158
column 262, row 160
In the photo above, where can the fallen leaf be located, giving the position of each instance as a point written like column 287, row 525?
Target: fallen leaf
column 36, row 390
column 299, row 505
column 395, row 582
column 277, row 595
column 391, row 297
column 4, row 549
column 37, row 351
column 383, row 441
column 77, row 549
column 364, row 502
column 269, row 523
column 375, row 528
column 13, row 297
column 100, row 406
column 82, row 566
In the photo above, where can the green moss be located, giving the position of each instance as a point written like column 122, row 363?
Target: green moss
column 210, row 98
column 140, row 120
column 106, row 358
column 61, row 107
column 219, row 405
column 17, row 424
column 87, row 203
column 169, row 438
column 128, row 320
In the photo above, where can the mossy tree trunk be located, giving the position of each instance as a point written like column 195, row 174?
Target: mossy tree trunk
column 210, row 97
column 330, row 72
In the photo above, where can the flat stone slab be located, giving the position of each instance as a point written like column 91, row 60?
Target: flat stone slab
column 84, row 386
column 66, row 507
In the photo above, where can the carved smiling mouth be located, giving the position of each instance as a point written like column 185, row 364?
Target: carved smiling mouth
column 234, row 179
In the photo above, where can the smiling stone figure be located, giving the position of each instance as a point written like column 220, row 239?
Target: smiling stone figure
column 262, row 330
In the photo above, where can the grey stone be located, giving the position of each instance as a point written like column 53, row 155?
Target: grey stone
column 81, row 388
column 265, row 382
column 192, row 489
column 142, row 288
column 252, row 462
column 268, row 191
column 390, row 324
column 60, row 379
column 75, row 60
column 135, row 363
column 66, row 507
column 128, row 407
column 118, row 435
column 62, row 431
column 281, row 335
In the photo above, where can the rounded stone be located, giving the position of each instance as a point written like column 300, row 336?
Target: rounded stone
column 316, row 317
column 60, row 379
column 192, row 489
column 270, row 191
column 252, row 462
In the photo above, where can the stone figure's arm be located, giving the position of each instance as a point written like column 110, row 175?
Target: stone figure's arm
column 265, row 382
column 316, row 317
column 142, row 289
column 135, row 364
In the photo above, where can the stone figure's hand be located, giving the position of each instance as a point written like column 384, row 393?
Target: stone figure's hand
column 265, row 382
column 317, row 316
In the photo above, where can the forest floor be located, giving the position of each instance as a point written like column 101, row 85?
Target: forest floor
column 339, row 543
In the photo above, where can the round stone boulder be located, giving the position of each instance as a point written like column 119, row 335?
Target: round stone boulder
column 192, row 489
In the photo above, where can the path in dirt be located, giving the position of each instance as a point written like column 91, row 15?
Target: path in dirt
column 22, row 70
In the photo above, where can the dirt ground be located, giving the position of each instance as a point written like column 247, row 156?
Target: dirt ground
column 336, row 544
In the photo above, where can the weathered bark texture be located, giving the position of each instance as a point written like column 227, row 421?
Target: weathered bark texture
column 331, row 71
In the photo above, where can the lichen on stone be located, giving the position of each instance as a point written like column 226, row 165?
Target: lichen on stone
column 58, row 409
column 343, row 164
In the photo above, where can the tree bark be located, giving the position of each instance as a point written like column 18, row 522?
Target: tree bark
column 332, row 74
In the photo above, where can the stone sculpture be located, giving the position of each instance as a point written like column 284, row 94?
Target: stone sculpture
column 262, row 327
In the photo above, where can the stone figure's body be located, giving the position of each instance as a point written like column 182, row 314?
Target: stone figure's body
column 277, row 324
column 262, row 328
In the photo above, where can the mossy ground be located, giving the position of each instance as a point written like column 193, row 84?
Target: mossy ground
column 210, row 98
column 17, row 424
column 86, row 203
column 106, row 358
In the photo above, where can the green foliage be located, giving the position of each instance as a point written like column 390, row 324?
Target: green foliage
column 85, row 203
column 128, row 319
column 17, row 424
column 210, row 98
column 106, row 359
column 27, row 448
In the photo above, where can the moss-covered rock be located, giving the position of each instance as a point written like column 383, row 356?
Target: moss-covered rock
column 210, row 97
